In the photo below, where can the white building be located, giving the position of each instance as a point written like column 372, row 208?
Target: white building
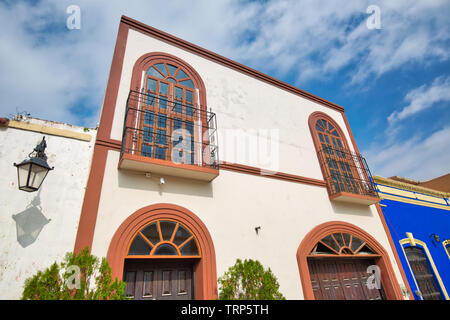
column 171, row 218
column 38, row 228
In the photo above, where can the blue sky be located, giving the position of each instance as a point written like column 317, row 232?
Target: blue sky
column 394, row 82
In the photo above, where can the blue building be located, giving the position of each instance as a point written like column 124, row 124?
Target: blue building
column 418, row 219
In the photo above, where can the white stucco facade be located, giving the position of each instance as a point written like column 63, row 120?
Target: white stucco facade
column 39, row 228
column 234, row 203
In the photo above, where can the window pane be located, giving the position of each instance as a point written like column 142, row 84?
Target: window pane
column 161, row 68
column 181, row 75
column 162, row 103
column 162, row 121
column 172, row 69
column 130, row 279
column 189, row 249
column 163, row 88
column 139, row 247
column 329, row 241
column 181, row 235
column 161, row 137
column 148, row 118
column 339, row 239
column 165, row 250
column 147, row 150
column 356, row 243
column 167, row 228
column 151, row 233
column 148, row 134
column 187, row 83
column 178, row 107
column 160, row 153
column 178, row 93
column 151, row 85
column 152, row 72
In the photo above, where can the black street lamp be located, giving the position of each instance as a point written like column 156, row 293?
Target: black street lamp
column 32, row 172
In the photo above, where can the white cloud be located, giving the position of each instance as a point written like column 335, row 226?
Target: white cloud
column 47, row 69
column 423, row 98
column 416, row 158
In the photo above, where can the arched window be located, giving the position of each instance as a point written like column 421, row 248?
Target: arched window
column 168, row 105
column 423, row 273
column 344, row 170
column 339, row 243
column 164, row 238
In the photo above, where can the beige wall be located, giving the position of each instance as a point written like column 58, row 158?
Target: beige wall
column 233, row 204
column 240, row 102
column 58, row 201
column 231, row 207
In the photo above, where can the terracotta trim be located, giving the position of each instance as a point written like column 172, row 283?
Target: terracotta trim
column 394, row 251
column 279, row 175
column 388, row 279
column 88, row 217
column 353, row 195
column 167, row 163
column 168, row 38
column 89, row 210
column 112, row 88
column 205, row 269
column 110, row 143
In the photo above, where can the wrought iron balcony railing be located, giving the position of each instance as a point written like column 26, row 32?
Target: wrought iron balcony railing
column 346, row 172
column 161, row 129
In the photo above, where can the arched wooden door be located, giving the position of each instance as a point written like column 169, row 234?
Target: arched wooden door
column 160, row 262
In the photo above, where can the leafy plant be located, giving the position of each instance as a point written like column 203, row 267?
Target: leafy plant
column 72, row 279
column 248, row 280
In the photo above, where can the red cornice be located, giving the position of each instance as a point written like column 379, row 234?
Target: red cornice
column 163, row 36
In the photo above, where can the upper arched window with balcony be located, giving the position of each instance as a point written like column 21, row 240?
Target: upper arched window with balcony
column 168, row 128
column 345, row 172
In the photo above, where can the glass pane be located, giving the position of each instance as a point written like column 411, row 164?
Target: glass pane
column 165, row 250
column 152, row 72
column 321, row 138
column 347, row 239
column 356, row 243
column 160, row 153
column 161, row 137
column 37, row 175
column 160, row 67
column 318, row 128
column 366, row 250
column 335, row 133
column 189, row 97
column 150, row 99
column 139, row 247
column 178, row 93
column 162, row 121
column 172, row 69
column 147, row 150
column 329, row 241
column 167, row 228
column 151, row 233
column 189, row 249
column 22, row 171
column 163, row 88
column 181, row 75
column 187, row 83
column 338, row 238
column 162, row 103
column 330, row 127
column 181, row 235
column 148, row 118
column 171, row 80
column 151, row 85
column 148, row 134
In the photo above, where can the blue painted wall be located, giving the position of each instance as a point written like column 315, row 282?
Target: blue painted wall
column 421, row 221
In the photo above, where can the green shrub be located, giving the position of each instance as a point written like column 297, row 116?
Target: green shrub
column 58, row 281
column 249, row 280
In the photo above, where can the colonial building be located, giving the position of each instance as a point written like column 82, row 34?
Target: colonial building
column 39, row 228
column 419, row 224
column 200, row 160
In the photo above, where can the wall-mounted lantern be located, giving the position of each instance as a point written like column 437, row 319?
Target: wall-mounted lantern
column 32, row 172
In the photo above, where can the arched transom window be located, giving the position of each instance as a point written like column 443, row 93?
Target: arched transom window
column 164, row 238
column 169, row 105
column 340, row 243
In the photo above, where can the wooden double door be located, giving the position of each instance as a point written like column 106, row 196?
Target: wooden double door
column 342, row 279
column 152, row 279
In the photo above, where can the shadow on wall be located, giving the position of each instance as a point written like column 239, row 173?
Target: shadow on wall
column 29, row 222
column 351, row 208
column 138, row 181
